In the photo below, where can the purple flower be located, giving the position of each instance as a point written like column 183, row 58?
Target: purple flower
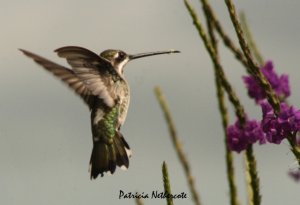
column 238, row 138
column 278, row 127
column 280, row 84
column 295, row 175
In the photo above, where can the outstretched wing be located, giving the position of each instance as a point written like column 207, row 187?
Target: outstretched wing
column 94, row 71
column 66, row 75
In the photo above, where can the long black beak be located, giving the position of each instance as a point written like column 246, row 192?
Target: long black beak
column 141, row 55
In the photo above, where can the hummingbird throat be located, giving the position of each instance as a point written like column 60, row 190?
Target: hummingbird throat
column 121, row 65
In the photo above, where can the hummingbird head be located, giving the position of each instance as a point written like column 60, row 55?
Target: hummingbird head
column 119, row 58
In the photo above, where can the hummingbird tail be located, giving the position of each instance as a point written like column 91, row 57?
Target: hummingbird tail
column 105, row 157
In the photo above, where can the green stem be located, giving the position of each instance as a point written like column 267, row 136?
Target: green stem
column 210, row 24
column 222, row 108
column 177, row 145
column 139, row 201
column 250, row 39
column 254, row 70
column 226, row 40
column 294, row 147
column 239, row 110
column 248, row 182
column 166, row 181
column 255, row 197
column 228, row 154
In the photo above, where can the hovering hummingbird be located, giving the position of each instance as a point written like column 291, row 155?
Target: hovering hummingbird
column 100, row 82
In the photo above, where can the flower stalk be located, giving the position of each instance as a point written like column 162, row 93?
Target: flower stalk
column 254, row 70
column 222, row 107
column 239, row 110
column 166, row 182
column 177, row 145
column 257, row 55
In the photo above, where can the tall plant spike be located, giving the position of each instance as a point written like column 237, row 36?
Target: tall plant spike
column 178, row 148
column 166, row 182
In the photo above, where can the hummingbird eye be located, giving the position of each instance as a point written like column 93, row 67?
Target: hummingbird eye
column 121, row 55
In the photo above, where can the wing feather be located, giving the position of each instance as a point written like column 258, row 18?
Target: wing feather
column 93, row 70
column 66, row 75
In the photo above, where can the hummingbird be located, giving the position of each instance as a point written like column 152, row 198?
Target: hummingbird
column 99, row 81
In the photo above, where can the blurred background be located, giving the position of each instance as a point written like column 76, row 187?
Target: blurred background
column 45, row 137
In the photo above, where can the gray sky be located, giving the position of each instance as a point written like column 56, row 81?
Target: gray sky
column 45, row 137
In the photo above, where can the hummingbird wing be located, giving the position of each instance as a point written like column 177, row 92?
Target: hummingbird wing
column 94, row 71
column 66, row 75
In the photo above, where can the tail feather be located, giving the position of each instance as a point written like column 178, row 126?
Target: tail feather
column 99, row 162
column 112, row 159
column 126, row 146
column 105, row 157
column 121, row 154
